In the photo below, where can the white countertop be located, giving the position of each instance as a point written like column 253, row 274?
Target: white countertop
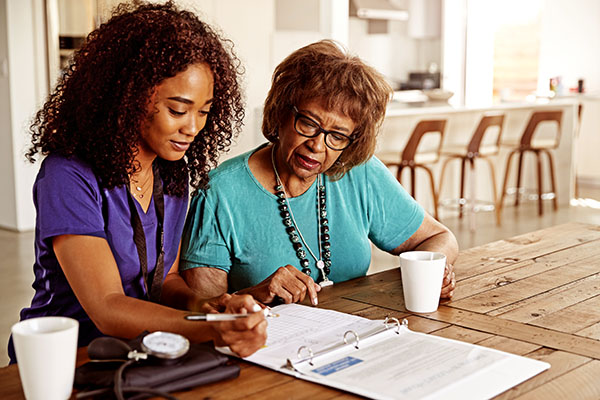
column 397, row 109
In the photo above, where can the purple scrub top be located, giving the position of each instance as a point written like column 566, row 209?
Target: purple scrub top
column 69, row 200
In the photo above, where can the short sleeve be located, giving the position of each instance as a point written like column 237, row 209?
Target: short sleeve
column 203, row 242
column 68, row 200
column 394, row 215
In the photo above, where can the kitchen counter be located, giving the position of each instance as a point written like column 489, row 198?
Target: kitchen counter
column 397, row 108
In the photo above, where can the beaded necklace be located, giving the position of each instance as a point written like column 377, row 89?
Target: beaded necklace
column 323, row 263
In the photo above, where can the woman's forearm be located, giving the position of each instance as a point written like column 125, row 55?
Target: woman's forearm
column 127, row 317
column 177, row 294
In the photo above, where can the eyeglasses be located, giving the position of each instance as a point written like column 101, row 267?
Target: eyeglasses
column 308, row 127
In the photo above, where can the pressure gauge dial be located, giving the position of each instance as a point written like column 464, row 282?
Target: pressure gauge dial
column 165, row 345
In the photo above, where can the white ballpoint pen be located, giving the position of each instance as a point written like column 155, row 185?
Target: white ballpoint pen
column 215, row 317
column 222, row 317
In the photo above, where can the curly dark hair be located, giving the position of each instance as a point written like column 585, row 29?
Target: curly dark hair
column 101, row 100
column 325, row 71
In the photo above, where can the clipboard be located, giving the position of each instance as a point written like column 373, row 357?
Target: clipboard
column 385, row 359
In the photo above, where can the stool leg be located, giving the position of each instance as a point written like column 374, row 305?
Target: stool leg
column 435, row 199
column 519, row 169
column 539, row 178
column 493, row 178
column 443, row 175
column 473, row 187
column 500, row 202
column 462, row 187
column 552, row 180
column 399, row 174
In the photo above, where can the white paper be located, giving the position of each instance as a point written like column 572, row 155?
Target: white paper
column 295, row 325
column 393, row 364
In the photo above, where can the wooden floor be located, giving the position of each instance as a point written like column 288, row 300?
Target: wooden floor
column 17, row 249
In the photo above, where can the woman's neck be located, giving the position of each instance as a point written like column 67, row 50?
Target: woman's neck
column 140, row 180
column 145, row 160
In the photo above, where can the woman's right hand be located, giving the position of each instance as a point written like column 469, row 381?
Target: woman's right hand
column 246, row 335
column 287, row 283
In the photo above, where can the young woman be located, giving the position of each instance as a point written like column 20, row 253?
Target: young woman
column 145, row 107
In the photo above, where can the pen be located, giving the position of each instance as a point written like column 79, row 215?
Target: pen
column 215, row 317
column 224, row 316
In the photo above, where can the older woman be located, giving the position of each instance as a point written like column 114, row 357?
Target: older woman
column 303, row 208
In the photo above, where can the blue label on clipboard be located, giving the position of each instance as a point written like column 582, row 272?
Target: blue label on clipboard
column 336, row 366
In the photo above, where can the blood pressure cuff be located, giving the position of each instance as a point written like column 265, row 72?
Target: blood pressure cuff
column 201, row 365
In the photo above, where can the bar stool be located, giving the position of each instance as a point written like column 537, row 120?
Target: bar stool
column 474, row 150
column 413, row 159
column 538, row 147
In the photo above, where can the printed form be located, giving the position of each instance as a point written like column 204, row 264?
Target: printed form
column 391, row 364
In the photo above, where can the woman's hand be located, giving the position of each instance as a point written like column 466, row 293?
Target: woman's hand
column 287, row 283
column 216, row 304
column 246, row 335
column 449, row 282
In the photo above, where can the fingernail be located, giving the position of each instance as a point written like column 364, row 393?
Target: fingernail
column 315, row 301
column 256, row 308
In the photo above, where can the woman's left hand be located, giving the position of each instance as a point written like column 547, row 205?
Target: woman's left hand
column 449, row 283
column 215, row 304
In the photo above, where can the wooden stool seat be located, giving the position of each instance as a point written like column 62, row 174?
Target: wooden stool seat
column 538, row 144
column 462, row 151
column 412, row 157
column 527, row 143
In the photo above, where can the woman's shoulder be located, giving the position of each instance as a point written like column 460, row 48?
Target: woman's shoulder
column 69, row 178
column 61, row 167
column 372, row 167
column 232, row 168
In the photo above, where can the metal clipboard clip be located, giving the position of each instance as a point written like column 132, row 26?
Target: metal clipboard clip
column 306, row 354
column 356, row 338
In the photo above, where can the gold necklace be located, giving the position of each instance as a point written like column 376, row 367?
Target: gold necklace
column 140, row 189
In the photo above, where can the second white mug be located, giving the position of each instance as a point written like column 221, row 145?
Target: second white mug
column 46, row 350
column 422, row 276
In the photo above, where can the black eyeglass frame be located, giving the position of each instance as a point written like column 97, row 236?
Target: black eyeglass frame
column 298, row 115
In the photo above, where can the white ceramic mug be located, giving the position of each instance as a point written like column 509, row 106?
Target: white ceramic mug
column 422, row 276
column 46, row 350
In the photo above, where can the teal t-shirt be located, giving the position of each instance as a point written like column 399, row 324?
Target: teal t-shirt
column 235, row 225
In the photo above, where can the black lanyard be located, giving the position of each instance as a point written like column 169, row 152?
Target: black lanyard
column 140, row 238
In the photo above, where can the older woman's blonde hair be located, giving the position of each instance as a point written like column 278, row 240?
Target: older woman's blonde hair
column 341, row 82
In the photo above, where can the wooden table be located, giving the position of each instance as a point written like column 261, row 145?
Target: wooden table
column 536, row 295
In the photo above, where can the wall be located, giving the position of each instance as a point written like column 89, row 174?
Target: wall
column 570, row 43
column 8, row 216
column 570, row 48
column 250, row 28
column 22, row 89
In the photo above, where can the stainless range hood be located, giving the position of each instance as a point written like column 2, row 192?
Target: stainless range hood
column 378, row 9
